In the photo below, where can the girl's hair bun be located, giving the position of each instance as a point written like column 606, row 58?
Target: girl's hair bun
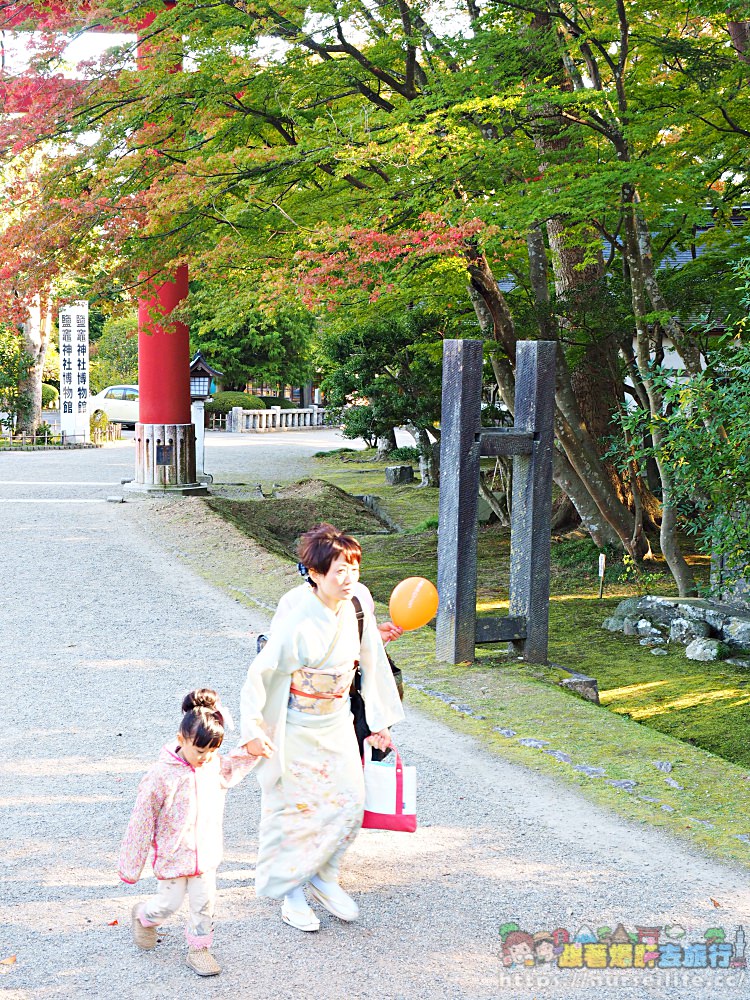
column 200, row 698
column 202, row 721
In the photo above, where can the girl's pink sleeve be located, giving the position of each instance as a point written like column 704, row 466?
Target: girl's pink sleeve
column 141, row 830
column 235, row 766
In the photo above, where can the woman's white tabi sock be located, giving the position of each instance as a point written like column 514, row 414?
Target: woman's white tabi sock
column 296, row 898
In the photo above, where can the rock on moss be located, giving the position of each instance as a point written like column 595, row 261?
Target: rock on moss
column 705, row 650
column 657, row 610
column 627, row 608
column 737, row 633
column 685, row 630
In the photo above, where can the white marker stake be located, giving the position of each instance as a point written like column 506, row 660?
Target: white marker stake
column 602, row 566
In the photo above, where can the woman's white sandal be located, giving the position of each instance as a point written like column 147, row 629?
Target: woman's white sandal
column 335, row 900
column 303, row 918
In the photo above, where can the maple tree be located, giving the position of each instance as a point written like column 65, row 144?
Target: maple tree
column 363, row 156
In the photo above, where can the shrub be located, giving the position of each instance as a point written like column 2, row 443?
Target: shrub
column 429, row 524
column 114, row 356
column 223, row 402
column 336, row 451
column 98, row 423
column 282, row 401
column 406, row 454
column 50, row 396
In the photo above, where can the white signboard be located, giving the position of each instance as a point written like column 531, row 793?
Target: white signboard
column 74, row 372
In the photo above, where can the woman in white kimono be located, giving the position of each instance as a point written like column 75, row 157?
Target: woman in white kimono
column 295, row 712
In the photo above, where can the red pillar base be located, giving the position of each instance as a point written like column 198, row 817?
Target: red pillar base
column 165, row 437
column 165, row 460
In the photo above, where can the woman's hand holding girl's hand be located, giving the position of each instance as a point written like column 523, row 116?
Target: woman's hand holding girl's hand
column 389, row 631
column 260, row 747
column 381, row 740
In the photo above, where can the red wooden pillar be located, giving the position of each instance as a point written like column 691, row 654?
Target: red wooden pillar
column 164, row 355
column 165, row 435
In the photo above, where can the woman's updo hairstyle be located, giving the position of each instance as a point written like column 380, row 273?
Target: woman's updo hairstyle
column 203, row 723
column 319, row 546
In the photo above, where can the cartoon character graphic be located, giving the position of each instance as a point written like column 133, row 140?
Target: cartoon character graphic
column 518, row 949
column 544, row 948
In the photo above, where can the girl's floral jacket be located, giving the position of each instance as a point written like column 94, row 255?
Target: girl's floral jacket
column 179, row 813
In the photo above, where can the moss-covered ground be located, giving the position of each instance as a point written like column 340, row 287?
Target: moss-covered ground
column 655, row 709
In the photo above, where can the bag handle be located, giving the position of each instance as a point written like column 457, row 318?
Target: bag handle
column 399, row 775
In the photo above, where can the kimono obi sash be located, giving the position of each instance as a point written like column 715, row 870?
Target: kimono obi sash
column 319, row 692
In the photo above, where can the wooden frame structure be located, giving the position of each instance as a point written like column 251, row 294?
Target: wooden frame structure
column 463, row 442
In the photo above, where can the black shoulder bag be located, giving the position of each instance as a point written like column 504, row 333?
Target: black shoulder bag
column 361, row 728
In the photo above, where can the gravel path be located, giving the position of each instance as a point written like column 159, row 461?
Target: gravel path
column 102, row 631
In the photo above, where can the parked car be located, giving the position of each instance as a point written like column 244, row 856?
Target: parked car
column 119, row 402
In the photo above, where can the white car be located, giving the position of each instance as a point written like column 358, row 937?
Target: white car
column 119, row 402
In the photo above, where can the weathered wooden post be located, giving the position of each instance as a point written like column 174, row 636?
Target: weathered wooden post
column 531, row 514
column 460, row 424
column 530, row 442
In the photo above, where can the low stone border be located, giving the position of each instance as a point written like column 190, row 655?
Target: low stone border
column 708, row 630
column 50, row 447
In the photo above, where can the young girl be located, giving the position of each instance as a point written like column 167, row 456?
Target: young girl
column 179, row 811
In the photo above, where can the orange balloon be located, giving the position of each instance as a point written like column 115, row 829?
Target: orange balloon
column 413, row 603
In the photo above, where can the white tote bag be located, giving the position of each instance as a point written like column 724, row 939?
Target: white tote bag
column 390, row 794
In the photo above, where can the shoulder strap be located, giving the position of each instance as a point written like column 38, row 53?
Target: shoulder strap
column 360, row 616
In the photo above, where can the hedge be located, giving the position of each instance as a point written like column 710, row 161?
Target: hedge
column 50, row 396
column 223, row 402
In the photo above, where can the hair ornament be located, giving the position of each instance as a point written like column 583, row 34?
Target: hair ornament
column 226, row 715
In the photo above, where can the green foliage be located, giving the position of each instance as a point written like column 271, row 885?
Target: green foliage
column 632, row 573
column 223, row 402
column 50, row 396
column 98, row 424
column 114, row 356
column 15, row 364
column 336, row 451
column 282, row 401
column 384, row 373
column 429, row 524
column 246, row 344
column 577, row 553
column 360, row 422
column 405, row 454
column 51, row 370
column 705, row 434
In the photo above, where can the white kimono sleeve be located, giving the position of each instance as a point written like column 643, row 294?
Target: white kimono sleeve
column 382, row 702
column 277, row 656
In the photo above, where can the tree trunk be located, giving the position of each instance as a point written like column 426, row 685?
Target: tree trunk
column 386, row 444
column 564, row 515
column 578, row 278
column 670, row 546
column 739, row 32
column 495, row 505
column 584, row 481
column 36, row 334
column 429, row 456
